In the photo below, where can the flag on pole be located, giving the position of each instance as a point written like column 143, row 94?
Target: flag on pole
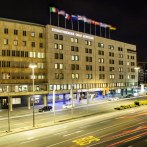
column 80, row 17
column 74, row 18
column 53, row 10
column 97, row 23
column 103, row 25
column 67, row 16
column 61, row 12
column 93, row 22
column 112, row 28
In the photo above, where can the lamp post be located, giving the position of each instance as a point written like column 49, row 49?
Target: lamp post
column 33, row 66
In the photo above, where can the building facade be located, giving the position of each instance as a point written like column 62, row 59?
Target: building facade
column 142, row 74
column 65, row 59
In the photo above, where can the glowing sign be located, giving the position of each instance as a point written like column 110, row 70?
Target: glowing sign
column 72, row 33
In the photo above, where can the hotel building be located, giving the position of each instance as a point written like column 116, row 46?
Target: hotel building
column 65, row 60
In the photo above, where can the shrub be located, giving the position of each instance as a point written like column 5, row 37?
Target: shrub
column 137, row 103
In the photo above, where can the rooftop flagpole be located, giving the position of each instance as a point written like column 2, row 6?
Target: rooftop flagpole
column 67, row 17
column 52, row 10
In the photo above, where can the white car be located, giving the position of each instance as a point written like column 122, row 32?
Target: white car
column 113, row 99
column 67, row 106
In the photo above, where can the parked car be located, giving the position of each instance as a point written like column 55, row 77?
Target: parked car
column 67, row 106
column 45, row 108
column 113, row 99
column 129, row 95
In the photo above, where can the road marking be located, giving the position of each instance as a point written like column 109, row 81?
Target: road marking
column 30, row 138
column 85, row 126
column 28, row 141
column 73, row 133
column 119, row 117
column 86, row 140
column 60, row 133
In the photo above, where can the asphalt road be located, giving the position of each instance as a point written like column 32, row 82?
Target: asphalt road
column 22, row 118
column 103, row 130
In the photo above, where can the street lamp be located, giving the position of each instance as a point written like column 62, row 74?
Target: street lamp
column 33, row 66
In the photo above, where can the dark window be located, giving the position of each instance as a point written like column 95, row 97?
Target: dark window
column 61, row 56
column 5, row 30
column 72, row 48
column 15, row 32
column 60, row 37
column 86, row 50
column 33, row 44
column 55, row 36
column 41, row 45
column 26, row 54
column 24, row 33
column 56, row 55
column 40, row 35
column 90, row 51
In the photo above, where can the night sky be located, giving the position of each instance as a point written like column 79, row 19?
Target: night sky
column 128, row 16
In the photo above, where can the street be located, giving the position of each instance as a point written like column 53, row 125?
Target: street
column 21, row 118
column 104, row 130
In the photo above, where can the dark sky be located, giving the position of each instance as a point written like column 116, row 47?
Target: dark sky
column 130, row 17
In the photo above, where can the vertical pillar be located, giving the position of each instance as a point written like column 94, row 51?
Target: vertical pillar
column 122, row 92
column 11, row 109
column 64, row 101
column 103, row 93
column 45, row 100
column 126, row 92
column 29, row 102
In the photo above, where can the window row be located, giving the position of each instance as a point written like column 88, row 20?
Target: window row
column 16, row 53
column 7, row 75
column 85, row 86
column 24, row 43
column 24, row 33
column 58, row 55
column 74, row 48
column 58, row 46
column 87, row 50
column 16, row 64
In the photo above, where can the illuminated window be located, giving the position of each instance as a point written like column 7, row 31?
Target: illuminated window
column 76, row 40
column 24, row 43
column 15, row 42
column 111, row 47
column 72, row 39
column 5, row 41
column 60, row 46
column 101, row 45
column 33, row 34
column 112, row 76
column 16, row 100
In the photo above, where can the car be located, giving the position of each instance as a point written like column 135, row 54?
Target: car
column 129, row 95
column 67, row 106
column 45, row 108
column 113, row 99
